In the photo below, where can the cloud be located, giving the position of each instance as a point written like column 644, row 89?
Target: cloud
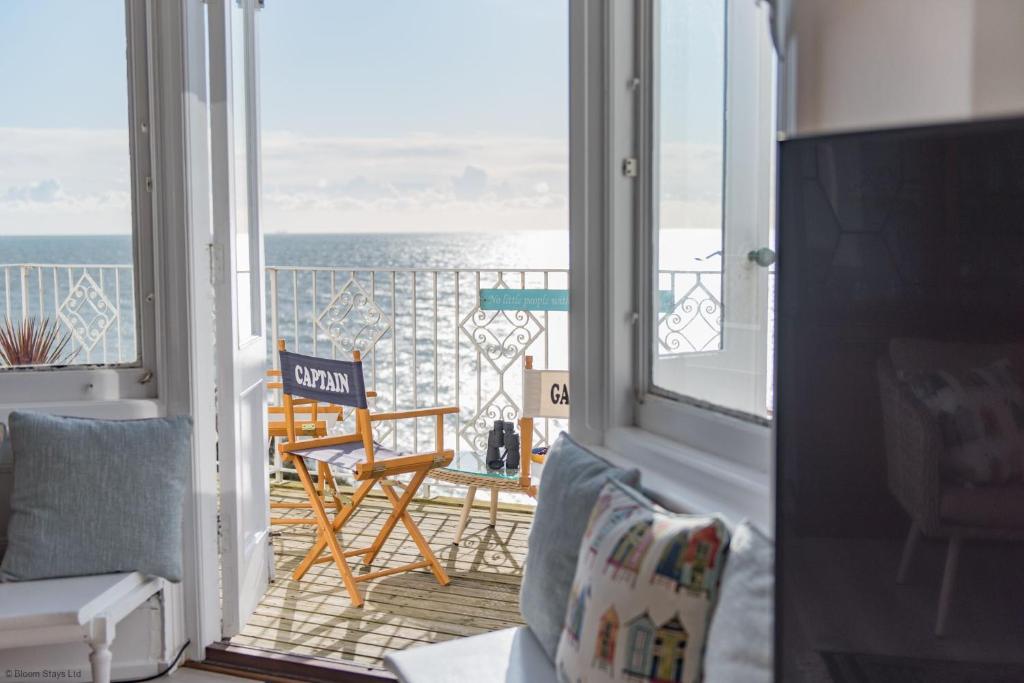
column 471, row 185
column 44, row 192
column 78, row 181
column 690, row 192
column 64, row 181
column 413, row 182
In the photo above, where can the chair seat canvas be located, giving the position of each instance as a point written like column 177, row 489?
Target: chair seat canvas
column 347, row 455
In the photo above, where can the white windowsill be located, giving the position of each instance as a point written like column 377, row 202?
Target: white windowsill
column 687, row 479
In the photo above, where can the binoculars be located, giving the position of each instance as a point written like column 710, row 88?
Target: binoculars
column 503, row 446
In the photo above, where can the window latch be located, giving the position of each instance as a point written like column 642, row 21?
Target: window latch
column 630, row 167
column 216, row 263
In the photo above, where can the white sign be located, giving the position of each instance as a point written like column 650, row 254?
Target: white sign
column 546, row 393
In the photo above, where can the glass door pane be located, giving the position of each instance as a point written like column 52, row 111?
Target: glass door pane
column 245, row 148
column 66, row 186
column 711, row 210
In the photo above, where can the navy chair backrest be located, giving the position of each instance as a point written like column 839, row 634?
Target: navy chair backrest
column 323, row 379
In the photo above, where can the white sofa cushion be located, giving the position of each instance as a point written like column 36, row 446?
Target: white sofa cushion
column 739, row 644
column 512, row 655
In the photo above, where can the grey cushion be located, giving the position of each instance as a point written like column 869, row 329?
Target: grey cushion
column 96, row 496
column 512, row 655
column 572, row 479
column 739, row 645
column 6, row 484
column 6, row 455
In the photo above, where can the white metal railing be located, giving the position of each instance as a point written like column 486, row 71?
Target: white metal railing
column 95, row 304
column 422, row 332
column 689, row 311
column 424, row 339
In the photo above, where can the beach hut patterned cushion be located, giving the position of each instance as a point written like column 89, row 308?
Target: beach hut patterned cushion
column 643, row 593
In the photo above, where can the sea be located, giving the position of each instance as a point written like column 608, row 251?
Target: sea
column 484, row 250
column 544, row 249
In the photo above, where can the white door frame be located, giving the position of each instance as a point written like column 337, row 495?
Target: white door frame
column 183, row 296
column 241, row 345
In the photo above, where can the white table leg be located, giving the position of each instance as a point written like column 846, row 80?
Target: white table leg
column 464, row 515
column 494, row 507
column 948, row 580
column 102, row 633
column 100, row 660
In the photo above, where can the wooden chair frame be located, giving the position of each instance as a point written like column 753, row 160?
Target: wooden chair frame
column 306, row 424
column 526, row 455
column 367, row 473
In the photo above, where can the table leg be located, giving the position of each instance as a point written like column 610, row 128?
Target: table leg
column 494, row 507
column 99, row 658
column 464, row 515
column 99, row 646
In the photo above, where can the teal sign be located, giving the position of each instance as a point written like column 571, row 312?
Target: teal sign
column 544, row 300
column 666, row 301
column 524, row 299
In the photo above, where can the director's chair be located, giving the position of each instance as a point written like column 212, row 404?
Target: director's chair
column 306, row 380
column 311, row 419
column 545, row 395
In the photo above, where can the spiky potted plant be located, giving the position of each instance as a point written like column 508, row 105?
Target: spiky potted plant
column 32, row 341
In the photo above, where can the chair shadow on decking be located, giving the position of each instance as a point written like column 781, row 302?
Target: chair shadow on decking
column 314, row 616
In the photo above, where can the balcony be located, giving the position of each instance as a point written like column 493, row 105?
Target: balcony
column 314, row 616
column 428, row 337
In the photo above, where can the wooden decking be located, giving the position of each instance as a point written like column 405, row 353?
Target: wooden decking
column 314, row 616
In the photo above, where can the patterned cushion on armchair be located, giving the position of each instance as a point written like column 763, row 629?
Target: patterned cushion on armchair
column 980, row 415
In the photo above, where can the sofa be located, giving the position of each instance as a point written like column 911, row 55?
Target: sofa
column 739, row 641
column 6, row 485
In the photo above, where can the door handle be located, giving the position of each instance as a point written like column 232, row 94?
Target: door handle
column 763, row 257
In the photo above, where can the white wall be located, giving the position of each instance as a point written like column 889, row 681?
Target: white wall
column 853, row 64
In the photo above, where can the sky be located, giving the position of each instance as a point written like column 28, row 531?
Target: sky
column 395, row 115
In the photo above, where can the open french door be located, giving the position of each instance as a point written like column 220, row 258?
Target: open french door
column 711, row 135
column 246, row 556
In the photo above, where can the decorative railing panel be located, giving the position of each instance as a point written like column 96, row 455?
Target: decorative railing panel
column 95, row 305
column 689, row 312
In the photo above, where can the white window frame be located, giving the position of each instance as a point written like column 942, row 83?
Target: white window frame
column 747, row 180
column 130, row 380
column 695, row 456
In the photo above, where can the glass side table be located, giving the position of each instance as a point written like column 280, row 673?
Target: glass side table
column 470, row 470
